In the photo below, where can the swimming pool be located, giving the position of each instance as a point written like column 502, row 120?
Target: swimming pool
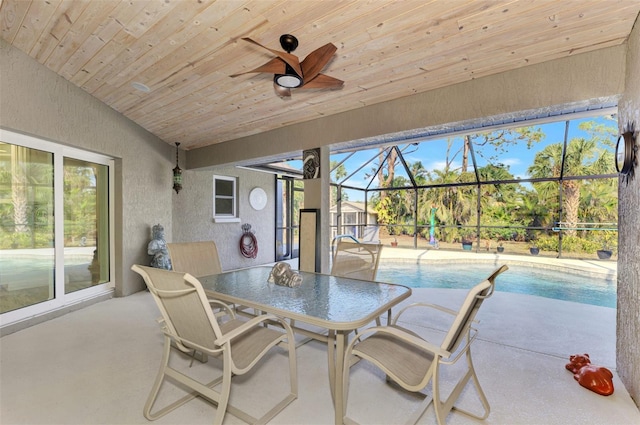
column 519, row 279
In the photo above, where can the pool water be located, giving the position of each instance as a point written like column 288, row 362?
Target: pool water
column 555, row 284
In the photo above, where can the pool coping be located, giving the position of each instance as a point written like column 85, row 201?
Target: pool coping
column 591, row 268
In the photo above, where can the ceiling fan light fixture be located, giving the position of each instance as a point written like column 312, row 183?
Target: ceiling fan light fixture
column 289, row 79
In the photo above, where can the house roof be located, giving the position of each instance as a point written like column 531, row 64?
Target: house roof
column 354, row 206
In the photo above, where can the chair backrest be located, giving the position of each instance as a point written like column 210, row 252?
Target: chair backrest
column 196, row 258
column 469, row 309
column 184, row 306
column 356, row 260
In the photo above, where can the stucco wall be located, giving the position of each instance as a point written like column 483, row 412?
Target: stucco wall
column 38, row 102
column 628, row 322
column 193, row 215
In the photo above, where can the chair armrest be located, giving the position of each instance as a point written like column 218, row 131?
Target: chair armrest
column 426, row 305
column 470, row 337
column 217, row 303
column 253, row 323
column 406, row 337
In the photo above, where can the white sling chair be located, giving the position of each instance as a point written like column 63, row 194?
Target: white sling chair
column 189, row 322
column 412, row 362
column 357, row 260
column 196, row 258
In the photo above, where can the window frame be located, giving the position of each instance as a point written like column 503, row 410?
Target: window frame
column 226, row 217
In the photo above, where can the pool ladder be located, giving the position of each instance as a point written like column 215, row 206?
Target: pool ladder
column 333, row 242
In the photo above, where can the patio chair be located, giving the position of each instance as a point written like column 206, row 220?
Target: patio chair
column 357, row 260
column 190, row 324
column 412, row 362
column 196, row 258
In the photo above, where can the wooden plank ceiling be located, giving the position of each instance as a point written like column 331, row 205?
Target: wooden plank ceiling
column 186, row 50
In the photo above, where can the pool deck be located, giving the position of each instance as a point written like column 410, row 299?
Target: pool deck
column 600, row 268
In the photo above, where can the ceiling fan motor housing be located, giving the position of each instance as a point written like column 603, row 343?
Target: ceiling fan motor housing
column 288, row 42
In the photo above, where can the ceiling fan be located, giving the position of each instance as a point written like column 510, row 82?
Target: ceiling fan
column 290, row 73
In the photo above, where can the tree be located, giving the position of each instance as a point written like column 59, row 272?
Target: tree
column 499, row 141
column 582, row 158
column 338, row 172
column 386, row 173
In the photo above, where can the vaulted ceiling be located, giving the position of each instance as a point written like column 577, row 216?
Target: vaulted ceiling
column 185, row 51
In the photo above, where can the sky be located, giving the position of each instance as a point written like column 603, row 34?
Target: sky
column 433, row 154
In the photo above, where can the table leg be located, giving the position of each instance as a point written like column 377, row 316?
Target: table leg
column 331, row 352
column 338, row 398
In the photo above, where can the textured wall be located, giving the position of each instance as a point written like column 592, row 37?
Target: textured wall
column 193, row 215
column 628, row 322
column 38, row 102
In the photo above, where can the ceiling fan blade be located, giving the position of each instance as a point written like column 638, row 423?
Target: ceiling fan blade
column 283, row 92
column 323, row 81
column 274, row 66
column 316, row 60
column 291, row 60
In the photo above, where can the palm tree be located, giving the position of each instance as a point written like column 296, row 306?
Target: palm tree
column 581, row 158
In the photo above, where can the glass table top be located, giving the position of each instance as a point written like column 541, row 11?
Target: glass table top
column 332, row 301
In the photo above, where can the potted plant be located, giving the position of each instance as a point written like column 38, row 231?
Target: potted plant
column 605, row 253
column 500, row 248
column 534, row 250
column 394, row 242
column 467, row 241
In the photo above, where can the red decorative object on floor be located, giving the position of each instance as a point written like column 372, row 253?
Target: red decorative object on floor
column 595, row 378
column 577, row 361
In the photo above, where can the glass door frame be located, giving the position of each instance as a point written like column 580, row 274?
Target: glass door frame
column 60, row 299
column 287, row 209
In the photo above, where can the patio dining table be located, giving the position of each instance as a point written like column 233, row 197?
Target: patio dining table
column 336, row 304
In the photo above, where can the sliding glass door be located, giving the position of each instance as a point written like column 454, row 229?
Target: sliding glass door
column 86, row 224
column 27, row 261
column 54, row 226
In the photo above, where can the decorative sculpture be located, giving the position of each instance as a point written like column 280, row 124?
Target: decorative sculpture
column 281, row 274
column 577, row 361
column 158, row 249
column 595, row 378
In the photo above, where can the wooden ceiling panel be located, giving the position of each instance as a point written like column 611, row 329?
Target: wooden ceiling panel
column 186, row 50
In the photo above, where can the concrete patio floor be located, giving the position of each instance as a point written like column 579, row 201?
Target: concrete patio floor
column 96, row 365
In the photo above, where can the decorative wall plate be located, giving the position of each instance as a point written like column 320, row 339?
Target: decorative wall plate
column 257, row 198
column 311, row 163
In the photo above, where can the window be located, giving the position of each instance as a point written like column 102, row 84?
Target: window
column 225, row 206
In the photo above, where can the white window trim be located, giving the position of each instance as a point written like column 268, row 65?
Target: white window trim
column 226, row 218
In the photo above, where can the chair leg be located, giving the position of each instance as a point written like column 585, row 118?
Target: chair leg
column 441, row 413
column 471, row 373
column 443, row 408
column 158, row 382
column 162, row 373
column 225, row 388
